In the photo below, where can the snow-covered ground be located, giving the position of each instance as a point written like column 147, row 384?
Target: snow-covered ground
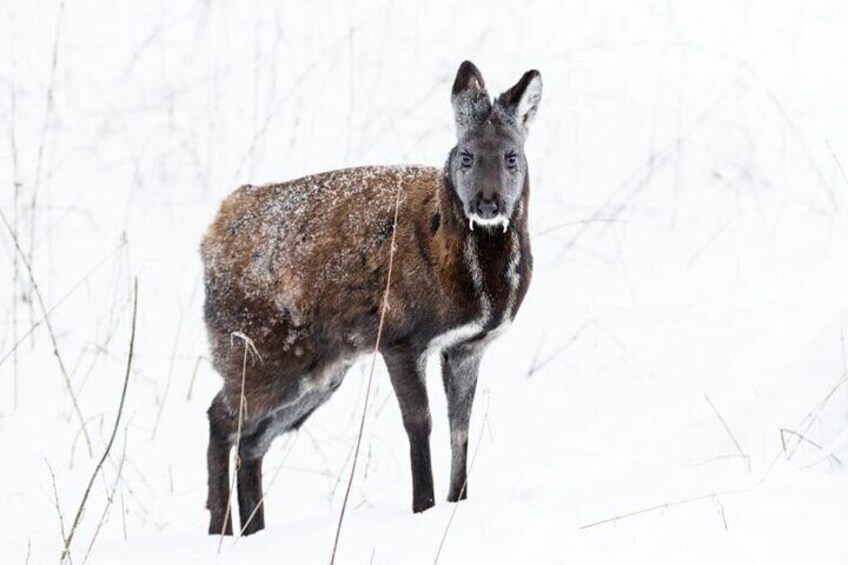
column 679, row 363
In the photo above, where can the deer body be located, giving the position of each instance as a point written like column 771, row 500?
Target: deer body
column 300, row 268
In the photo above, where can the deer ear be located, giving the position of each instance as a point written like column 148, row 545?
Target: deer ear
column 522, row 100
column 471, row 102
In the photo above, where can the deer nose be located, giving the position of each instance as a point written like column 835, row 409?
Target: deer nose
column 487, row 208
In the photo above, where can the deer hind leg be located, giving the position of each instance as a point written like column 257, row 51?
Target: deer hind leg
column 249, row 479
column 290, row 415
column 218, row 465
column 223, row 435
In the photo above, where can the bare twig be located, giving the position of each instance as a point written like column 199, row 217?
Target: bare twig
column 164, row 398
column 721, row 512
column 193, row 376
column 16, row 190
column 77, row 436
column 812, row 416
column 384, row 307
column 729, row 432
column 66, row 550
column 838, row 163
column 110, row 497
column 464, row 484
column 56, row 498
column 268, row 488
column 537, row 365
column 719, row 458
column 123, row 515
column 67, row 295
column 45, row 127
column 50, row 331
column 680, row 502
column 557, row 227
column 621, row 197
column 803, row 438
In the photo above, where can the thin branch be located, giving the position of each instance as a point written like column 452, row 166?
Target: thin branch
column 67, row 295
column 109, row 499
column 78, row 516
column 813, row 415
column 557, row 227
column 168, row 381
column 637, row 181
column 719, row 458
column 45, row 127
column 729, row 432
column 123, row 515
column 660, row 507
column 268, row 488
column 537, row 365
column 721, row 512
column 193, row 376
column 16, row 190
column 462, row 491
column 383, row 309
column 50, row 331
column 56, row 498
column 838, row 162
column 802, row 437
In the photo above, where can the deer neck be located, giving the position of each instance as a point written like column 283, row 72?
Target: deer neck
column 484, row 271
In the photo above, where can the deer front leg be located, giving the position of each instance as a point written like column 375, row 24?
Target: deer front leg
column 407, row 373
column 460, row 365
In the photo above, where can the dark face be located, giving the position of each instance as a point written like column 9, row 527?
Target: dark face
column 488, row 167
column 488, row 170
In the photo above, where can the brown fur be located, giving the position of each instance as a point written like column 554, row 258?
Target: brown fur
column 314, row 285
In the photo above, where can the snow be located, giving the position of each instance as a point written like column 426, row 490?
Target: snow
column 689, row 214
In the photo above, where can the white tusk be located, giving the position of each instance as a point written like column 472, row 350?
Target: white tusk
column 471, row 223
column 505, row 225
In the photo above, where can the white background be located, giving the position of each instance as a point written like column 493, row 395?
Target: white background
column 690, row 225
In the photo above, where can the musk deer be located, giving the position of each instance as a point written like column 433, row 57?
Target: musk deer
column 301, row 268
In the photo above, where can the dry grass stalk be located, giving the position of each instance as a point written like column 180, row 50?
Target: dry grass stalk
column 66, row 550
column 250, row 348
column 56, row 498
column 35, row 325
column 50, row 331
column 660, row 507
column 109, row 498
column 838, row 162
column 42, row 142
column 805, row 439
column 267, row 490
column 729, row 432
column 383, row 308
column 464, row 484
column 16, row 190
column 123, row 515
column 537, row 365
column 193, row 376
column 169, row 379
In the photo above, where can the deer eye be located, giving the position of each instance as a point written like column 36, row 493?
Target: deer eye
column 466, row 160
column 512, row 160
